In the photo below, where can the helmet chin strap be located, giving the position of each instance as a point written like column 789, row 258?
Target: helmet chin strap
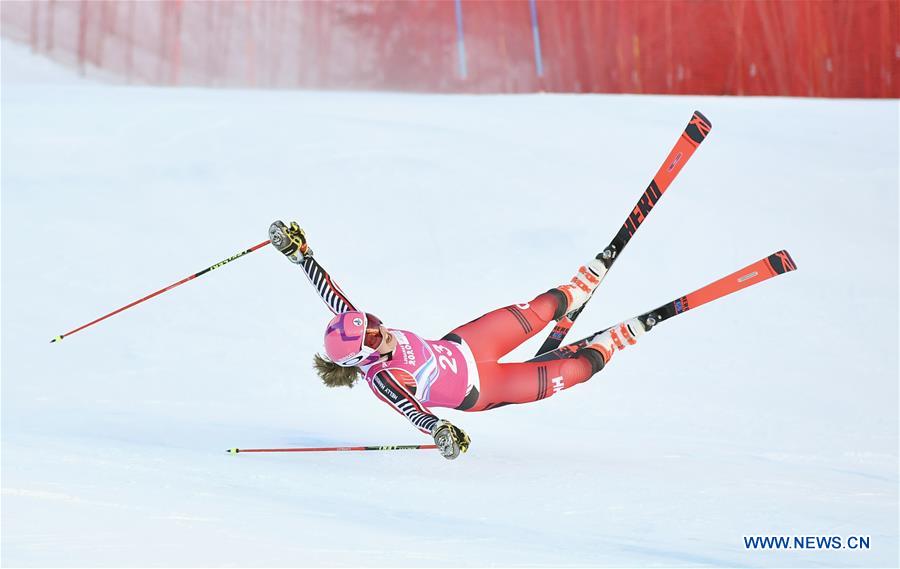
column 381, row 358
column 384, row 358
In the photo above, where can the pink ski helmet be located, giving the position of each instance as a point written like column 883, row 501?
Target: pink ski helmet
column 352, row 339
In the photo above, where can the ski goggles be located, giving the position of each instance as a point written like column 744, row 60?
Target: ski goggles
column 368, row 350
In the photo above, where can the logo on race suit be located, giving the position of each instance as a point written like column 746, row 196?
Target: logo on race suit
column 409, row 356
column 523, row 306
column 357, row 321
column 385, row 389
column 558, row 384
column 405, row 348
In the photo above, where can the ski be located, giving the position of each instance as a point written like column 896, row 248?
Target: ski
column 775, row 264
column 694, row 134
column 332, row 449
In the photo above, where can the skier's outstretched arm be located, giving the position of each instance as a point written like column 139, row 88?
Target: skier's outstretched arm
column 291, row 241
column 451, row 440
column 390, row 390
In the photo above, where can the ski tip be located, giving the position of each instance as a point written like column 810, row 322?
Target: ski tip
column 702, row 117
column 782, row 262
column 698, row 128
column 233, row 451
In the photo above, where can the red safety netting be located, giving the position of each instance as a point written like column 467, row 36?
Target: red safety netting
column 819, row 48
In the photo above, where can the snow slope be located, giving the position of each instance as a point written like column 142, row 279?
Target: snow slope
column 771, row 412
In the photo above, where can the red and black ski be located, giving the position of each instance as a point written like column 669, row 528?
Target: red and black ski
column 694, row 133
column 764, row 269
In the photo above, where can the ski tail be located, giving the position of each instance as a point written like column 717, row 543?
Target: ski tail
column 694, row 134
column 775, row 264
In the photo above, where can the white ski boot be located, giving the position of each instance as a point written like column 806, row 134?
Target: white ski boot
column 582, row 285
column 616, row 338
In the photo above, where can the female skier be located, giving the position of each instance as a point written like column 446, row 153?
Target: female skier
column 459, row 371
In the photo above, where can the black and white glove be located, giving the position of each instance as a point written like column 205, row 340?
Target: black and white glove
column 450, row 439
column 291, row 241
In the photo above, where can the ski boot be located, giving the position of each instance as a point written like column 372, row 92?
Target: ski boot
column 450, row 439
column 616, row 338
column 582, row 286
column 291, row 241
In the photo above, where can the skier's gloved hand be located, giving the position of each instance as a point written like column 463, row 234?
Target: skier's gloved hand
column 289, row 240
column 450, row 439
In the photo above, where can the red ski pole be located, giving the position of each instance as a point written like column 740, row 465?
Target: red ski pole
column 331, row 449
column 170, row 287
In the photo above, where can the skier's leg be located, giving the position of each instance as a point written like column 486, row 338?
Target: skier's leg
column 525, row 382
column 498, row 332
column 502, row 384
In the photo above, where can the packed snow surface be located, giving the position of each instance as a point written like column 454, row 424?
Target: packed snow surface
column 773, row 412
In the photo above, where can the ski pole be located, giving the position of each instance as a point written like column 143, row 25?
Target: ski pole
column 170, row 287
column 331, row 449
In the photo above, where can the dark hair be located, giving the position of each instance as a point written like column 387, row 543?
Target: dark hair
column 334, row 375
